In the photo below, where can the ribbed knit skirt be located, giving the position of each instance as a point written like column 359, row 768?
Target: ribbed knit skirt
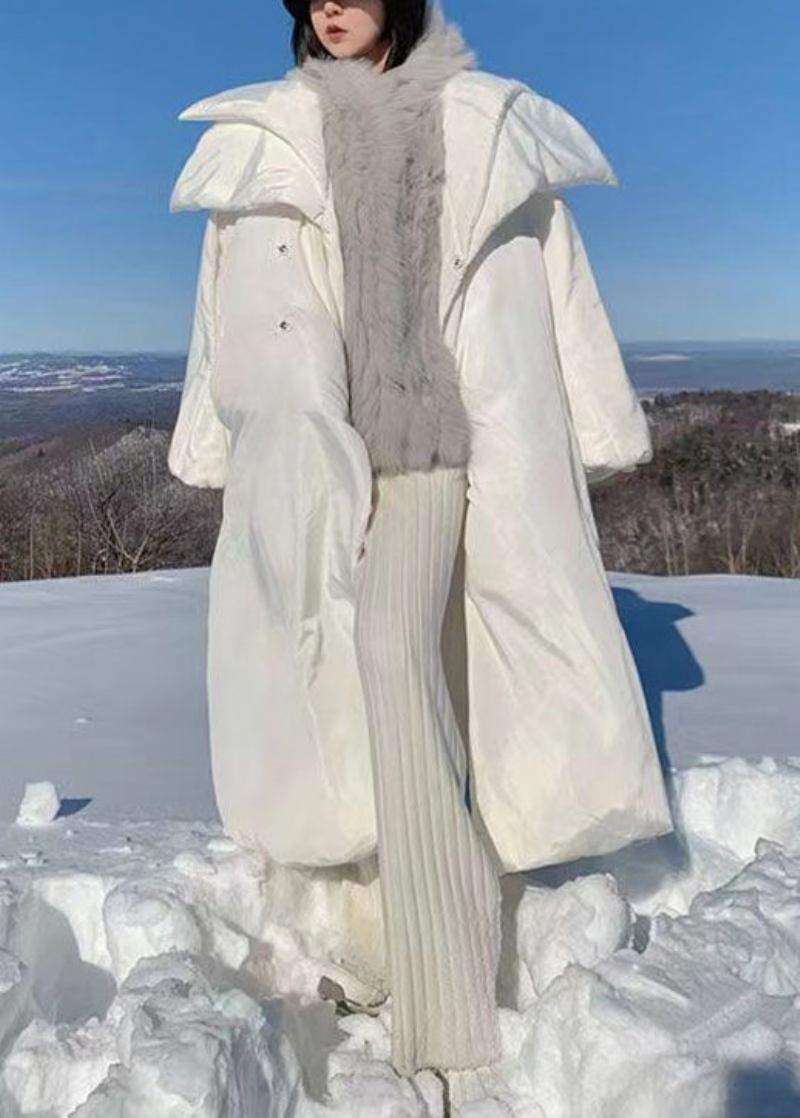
column 439, row 887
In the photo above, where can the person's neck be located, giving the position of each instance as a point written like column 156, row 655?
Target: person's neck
column 379, row 55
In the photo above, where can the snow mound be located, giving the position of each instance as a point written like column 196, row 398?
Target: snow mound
column 39, row 804
column 159, row 968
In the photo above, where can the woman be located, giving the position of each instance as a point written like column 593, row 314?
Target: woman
column 401, row 368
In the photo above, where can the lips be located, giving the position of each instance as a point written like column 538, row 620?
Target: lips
column 334, row 28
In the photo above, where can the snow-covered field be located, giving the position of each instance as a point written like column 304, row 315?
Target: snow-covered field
column 151, row 968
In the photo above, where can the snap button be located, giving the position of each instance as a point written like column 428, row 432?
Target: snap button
column 285, row 324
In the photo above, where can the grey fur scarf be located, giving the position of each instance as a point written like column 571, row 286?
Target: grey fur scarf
column 385, row 155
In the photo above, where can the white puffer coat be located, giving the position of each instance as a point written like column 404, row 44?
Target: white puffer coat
column 564, row 760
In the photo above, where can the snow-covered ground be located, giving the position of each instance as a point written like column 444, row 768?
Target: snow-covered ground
column 150, row 967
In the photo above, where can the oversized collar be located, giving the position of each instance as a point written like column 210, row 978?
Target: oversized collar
column 503, row 142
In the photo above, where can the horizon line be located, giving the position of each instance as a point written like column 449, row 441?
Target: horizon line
column 103, row 351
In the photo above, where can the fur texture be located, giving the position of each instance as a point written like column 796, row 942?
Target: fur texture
column 385, row 155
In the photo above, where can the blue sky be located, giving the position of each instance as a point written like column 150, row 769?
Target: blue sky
column 695, row 105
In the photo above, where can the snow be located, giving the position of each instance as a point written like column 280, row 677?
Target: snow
column 40, row 804
column 101, row 678
column 150, row 966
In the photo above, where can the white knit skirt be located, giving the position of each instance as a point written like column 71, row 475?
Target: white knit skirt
column 439, row 886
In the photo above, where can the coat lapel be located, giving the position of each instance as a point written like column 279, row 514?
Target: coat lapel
column 505, row 143
column 264, row 149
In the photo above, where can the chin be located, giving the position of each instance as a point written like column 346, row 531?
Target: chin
column 339, row 50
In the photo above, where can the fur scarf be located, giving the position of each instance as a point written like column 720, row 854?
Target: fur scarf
column 385, row 155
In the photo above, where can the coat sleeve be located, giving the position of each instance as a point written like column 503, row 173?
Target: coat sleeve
column 199, row 449
column 610, row 424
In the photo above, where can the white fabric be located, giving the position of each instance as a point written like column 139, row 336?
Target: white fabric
column 439, row 885
column 564, row 758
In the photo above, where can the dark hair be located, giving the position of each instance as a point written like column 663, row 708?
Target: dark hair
column 405, row 22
